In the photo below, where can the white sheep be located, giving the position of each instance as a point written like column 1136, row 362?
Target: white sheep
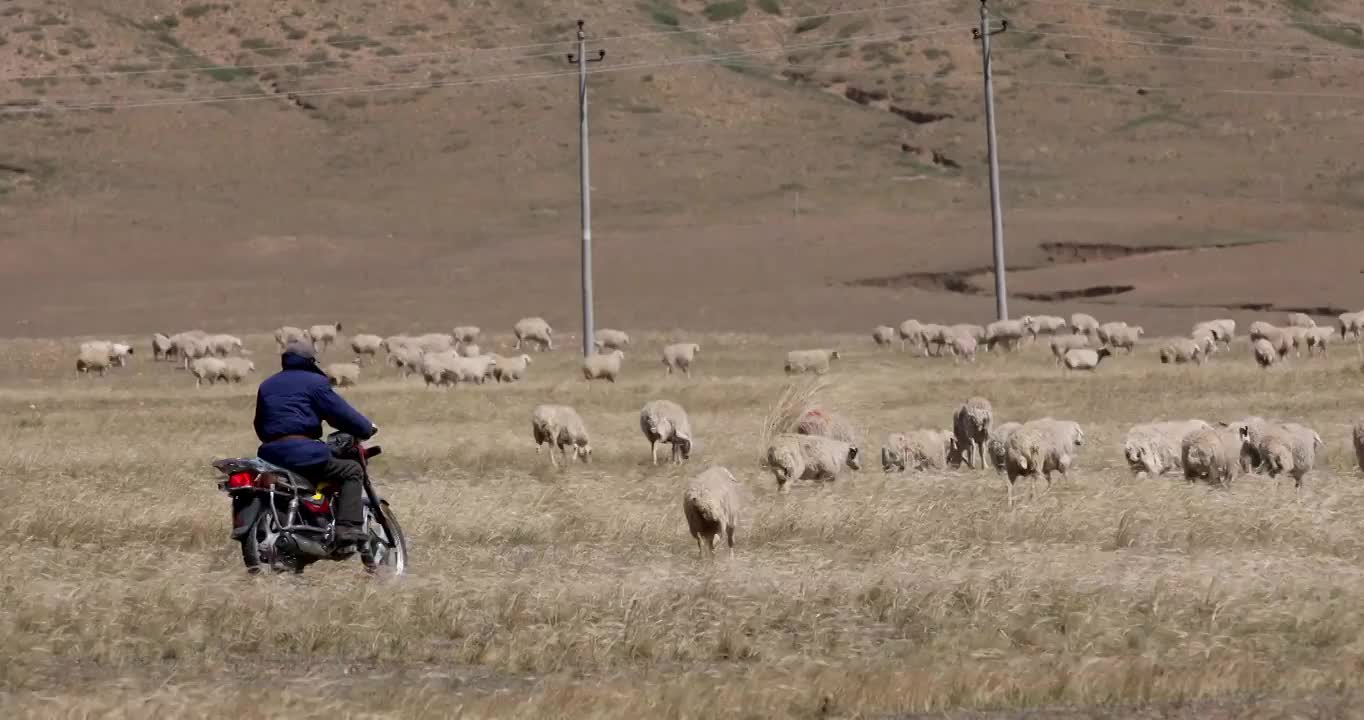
column 1041, row 447
column 366, row 347
column 439, row 368
column 1206, row 340
column 534, row 330
column 918, row 450
column 90, row 360
column 609, row 339
column 289, row 334
column 393, row 342
column 222, row 345
column 680, row 356
column 323, row 336
column 962, row 346
column 1265, row 353
column 118, row 352
column 1318, row 338
column 466, row 333
column 161, row 346
column 1083, row 324
column 1060, row 344
column 510, row 369
column 911, row 333
column 560, row 427
column 1212, row 454
column 816, row 361
column 603, row 367
column 1125, row 337
column 209, row 369
column 1222, row 330
column 996, row 447
column 1302, row 320
column 975, row 332
column 971, row 427
column 343, row 374
column 712, row 505
column 1084, row 358
column 236, row 369
column 1351, row 325
column 664, row 421
column 1286, row 448
column 190, row 346
column 1281, row 339
column 1105, row 331
column 477, row 370
column 1182, row 350
column 1007, row 333
column 1357, row 436
column 1155, row 448
column 883, row 335
column 469, row 350
column 1044, row 325
column 794, row 457
column 406, row 358
column 434, row 342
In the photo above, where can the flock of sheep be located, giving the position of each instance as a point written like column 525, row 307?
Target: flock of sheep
column 822, row 446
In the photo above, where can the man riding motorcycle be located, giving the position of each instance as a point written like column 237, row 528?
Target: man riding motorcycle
column 290, row 408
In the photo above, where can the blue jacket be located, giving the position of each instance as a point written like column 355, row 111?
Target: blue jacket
column 295, row 401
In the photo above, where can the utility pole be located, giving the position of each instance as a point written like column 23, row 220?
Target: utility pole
column 983, row 34
column 581, row 60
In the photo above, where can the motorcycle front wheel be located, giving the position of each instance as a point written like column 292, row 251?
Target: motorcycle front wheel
column 386, row 549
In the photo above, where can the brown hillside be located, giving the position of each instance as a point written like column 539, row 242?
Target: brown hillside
column 169, row 164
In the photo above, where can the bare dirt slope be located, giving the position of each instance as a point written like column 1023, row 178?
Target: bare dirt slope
column 407, row 163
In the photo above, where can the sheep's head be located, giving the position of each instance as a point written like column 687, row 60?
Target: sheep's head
column 853, row 459
column 250, row 367
column 833, row 355
column 1077, row 434
column 684, row 444
column 891, row 459
column 525, row 358
column 584, row 452
column 695, row 349
column 956, row 455
column 619, row 354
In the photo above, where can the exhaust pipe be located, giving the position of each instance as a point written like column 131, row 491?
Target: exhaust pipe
column 300, row 546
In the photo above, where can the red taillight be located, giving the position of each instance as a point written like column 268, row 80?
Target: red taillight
column 240, row 480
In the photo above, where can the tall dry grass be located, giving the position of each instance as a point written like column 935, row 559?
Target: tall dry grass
column 578, row 593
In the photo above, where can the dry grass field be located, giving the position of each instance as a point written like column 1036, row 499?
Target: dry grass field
column 578, row 593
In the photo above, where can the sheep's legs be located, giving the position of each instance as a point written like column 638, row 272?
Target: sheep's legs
column 653, row 450
column 729, row 538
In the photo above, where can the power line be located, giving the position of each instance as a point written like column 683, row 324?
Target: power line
column 37, row 107
column 1234, row 18
column 1193, row 88
column 533, row 46
column 1181, row 58
column 1172, row 35
column 1188, row 46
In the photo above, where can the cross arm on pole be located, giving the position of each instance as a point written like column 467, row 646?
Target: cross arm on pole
column 1003, row 25
column 573, row 57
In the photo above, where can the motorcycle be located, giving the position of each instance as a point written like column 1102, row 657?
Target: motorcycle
column 286, row 523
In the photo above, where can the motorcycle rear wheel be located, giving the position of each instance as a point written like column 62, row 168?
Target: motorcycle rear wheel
column 258, row 545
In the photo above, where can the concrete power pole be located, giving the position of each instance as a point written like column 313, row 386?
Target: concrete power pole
column 581, row 60
column 983, row 34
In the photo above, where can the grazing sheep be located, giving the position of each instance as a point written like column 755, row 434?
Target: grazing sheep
column 235, row 369
column 664, row 421
column 679, row 356
column 366, row 347
column 996, row 446
column 1357, row 435
column 1083, row 324
column 466, row 333
column 1212, row 454
column 477, row 370
column 712, row 505
column 510, row 369
column 1041, row 447
column 883, row 335
column 223, row 345
column 1279, row 338
column 1302, row 320
column 288, row 334
column 1182, row 350
column 434, row 342
column 1220, row 330
column 343, row 374
column 468, row 350
column 1063, row 343
column 1007, row 333
column 323, row 336
column 1155, row 448
column 1265, row 353
column 190, row 345
column 534, row 330
column 1125, row 337
column 207, row 368
column 971, row 427
column 1351, row 325
column 1206, row 340
column 810, row 457
column 975, row 332
column 1107, row 330
column 161, row 346
column 1044, row 325
column 912, row 333
column 1318, row 338
column 1084, row 358
column 406, row 358
column 439, row 368
column 603, row 367
column 393, row 342
column 609, row 339
column 1284, row 448
column 93, row 360
column 816, row 361
column 962, row 346
column 818, row 421
column 918, row 450
column 560, row 427
column 118, row 352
